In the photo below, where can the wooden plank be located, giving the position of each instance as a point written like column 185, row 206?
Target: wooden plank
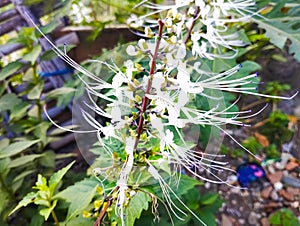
column 9, row 48
column 10, row 25
column 4, row 2
column 68, row 39
column 8, row 14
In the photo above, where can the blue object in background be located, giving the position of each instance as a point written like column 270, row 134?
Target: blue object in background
column 56, row 73
column 249, row 172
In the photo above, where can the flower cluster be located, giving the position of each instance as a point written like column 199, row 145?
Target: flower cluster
column 152, row 101
column 199, row 25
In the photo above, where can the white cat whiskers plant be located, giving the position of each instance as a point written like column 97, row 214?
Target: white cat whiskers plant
column 151, row 98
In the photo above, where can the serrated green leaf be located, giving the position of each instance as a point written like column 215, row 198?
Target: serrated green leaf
column 41, row 183
column 33, row 54
column 138, row 203
column 16, row 148
column 23, row 160
column 29, row 198
column 79, row 196
column 281, row 26
column 45, row 212
column 9, row 69
column 56, row 177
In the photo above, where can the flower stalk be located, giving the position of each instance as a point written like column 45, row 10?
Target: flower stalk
column 149, row 85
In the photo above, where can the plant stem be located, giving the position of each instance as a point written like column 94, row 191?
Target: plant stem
column 149, row 85
column 55, row 218
column 197, row 11
column 38, row 102
column 103, row 213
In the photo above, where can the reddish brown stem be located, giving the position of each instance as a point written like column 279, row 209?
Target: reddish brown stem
column 103, row 213
column 149, row 85
column 197, row 11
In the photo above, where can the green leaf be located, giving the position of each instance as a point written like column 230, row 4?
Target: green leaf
column 36, row 91
column 9, row 101
column 18, row 181
column 23, row 160
column 4, row 199
column 50, row 26
column 56, row 177
column 58, row 92
column 79, row 196
column 281, row 26
column 48, row 159
column 19, row 110
column 47, row 211
column 208, row 199
column 41, row 183
column 4, row 143
column 37, row 220
column 40, row 131
column 50, row 54
column 33, row 54
column 136, row 205
column 29, row 198
column 81, row 221
column 16, row 148
column 9, row 69
column 185, row 184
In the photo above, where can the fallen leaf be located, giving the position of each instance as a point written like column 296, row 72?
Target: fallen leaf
column 263, row 140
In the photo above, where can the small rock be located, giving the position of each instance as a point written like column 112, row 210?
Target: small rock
column 226, row 221
column 265, row 193
column 207, row 185
column 280, row 165
column 275, row 177
column 265, row 221
column 256, row 206
column 297, row 111
column 241, row 221
column 291, row 165
column 274, row 195
column 272, row 205
column 295, row 204
column 232, row 179
column 294, row 182
column 236, row 190
column 245, row 193
column 285, row 157
column 288, row 196
column 294, row 191
column 252, row 219
column 278, row 186
column 271, row 169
